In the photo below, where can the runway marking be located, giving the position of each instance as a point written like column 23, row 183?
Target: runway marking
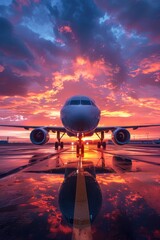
column 81, row 223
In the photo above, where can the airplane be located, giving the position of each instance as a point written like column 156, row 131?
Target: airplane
column 80, row 117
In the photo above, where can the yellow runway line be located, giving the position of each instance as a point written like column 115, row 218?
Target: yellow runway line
column 81, row 223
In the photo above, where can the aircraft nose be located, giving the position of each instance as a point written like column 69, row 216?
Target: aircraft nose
column 80, row 123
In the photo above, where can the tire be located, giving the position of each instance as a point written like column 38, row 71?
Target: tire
column 56, row 145
column 61, row 145
column 98, row 145
column 104, row 145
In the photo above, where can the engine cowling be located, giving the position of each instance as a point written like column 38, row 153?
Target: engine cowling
column 120, row 136
column 39, row 136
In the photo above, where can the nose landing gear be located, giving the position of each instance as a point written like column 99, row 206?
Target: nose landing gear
column 80, row 150
column 80, row 147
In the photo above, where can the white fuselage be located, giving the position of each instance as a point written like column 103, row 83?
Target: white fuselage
column 80, row 115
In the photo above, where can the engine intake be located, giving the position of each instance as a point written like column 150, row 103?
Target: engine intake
column 39, row 136
column 120, row 136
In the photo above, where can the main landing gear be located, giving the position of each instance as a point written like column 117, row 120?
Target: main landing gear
column 101, row 143
column 59, row 144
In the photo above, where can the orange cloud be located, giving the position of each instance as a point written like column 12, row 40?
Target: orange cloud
column 112, row 178
column 65, row 29
column 123, row 114
column 152, row 103
column 89, row 70
column 146, row 66
column 151, row 67
column 1, row 68
column 93, row 69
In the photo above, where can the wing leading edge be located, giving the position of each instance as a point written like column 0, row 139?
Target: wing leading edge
column 134, row 127
column 48, row 128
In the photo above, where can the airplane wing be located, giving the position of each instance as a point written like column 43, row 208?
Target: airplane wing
column 134, row 127
column 48, row 128
column 98, row 129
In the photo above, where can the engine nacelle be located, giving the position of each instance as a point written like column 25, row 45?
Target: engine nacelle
column 120, row 136
column 39, row 136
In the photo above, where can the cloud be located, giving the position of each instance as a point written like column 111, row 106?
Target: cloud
column 10, row 44
column 147, row 65
column 109, row 50
column 92, row 39
column 122, row 114
column 1, row 68
column 11, row 84
column 15, row 118
column 141, row 16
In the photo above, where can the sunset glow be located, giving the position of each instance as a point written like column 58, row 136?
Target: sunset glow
column 51, row 50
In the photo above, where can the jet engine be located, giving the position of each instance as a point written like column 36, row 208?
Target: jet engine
column 39, row 136
column 120, row 136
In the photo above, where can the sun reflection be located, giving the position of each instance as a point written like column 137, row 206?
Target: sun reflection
column 133, row 197
column 112, row 178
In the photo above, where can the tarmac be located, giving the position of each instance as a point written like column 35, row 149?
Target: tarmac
column 30, row 183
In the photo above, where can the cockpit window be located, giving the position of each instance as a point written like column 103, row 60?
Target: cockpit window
column 67, row 103
column 75, row 102
column 85, row 102
column 80, row 101
column 93, row 103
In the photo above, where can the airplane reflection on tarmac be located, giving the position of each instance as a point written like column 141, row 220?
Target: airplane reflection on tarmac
column 80, row 196
column 77, row 200
column 77, row 210
column 79, row 190
column 122, row 164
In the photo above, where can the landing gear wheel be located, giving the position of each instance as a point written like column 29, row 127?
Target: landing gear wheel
column 104, row 145
column 61, row 145
column 98, row 145
column 56, row 145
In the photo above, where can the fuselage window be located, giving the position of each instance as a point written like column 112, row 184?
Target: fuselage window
column 75, row 102
column 85, row 102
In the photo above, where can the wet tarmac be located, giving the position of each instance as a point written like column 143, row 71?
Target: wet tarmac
column 122, row 185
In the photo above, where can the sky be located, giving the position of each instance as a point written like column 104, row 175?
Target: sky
column 53, row 49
